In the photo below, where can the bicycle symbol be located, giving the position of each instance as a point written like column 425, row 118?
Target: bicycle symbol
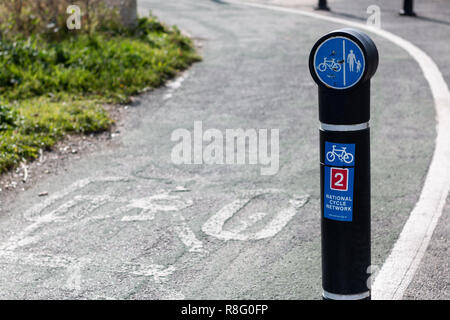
column 341, row 154
column 331, row 64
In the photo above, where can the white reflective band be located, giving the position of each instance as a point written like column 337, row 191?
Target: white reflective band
column 344, row 127
column 334, row 296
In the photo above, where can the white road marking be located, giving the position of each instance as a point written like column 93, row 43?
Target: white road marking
column 151, row 205
column 36, row 259
column 34, row 213
column 85, row 204
column 158, row 272
column 187, row 236
column 247, row 222
column 27, row 236
column 404, row 259
column 96, row 297
column 71, row 209
column 73, row 282
column 172, row 295
column 165, row 202
column 74, row 266
column 174, row 85
column 214, row 225
column 139, row 217
column 80, row 207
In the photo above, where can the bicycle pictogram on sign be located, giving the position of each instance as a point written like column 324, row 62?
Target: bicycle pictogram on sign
column 341, row 154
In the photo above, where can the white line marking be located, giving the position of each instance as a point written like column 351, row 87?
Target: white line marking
column 150, row 206
column 248, row 221
column 153, row 204
column 214, row 225
column 344, row 59
column 26, row 236
column 404, row 259
column 139, row 217
column 165, row 202
column 80, row 207
column 34, row 213
column 187, row 236
column 158, row 272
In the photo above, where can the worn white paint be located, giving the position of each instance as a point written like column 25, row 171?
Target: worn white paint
column 168, row 294
column 158, row 272
column 62, row 213
column 149, row 206
column 173, row 85
column 73, row 282
column 163, row 202
column 36, row 259
column 187, row 236
column 74, row 266
column 166, row 202
column 35, row 212
column 404, row 259
column 215, row 224
column 79, row 207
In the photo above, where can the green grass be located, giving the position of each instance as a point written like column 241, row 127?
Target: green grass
column 38, row 123
column 49, row 88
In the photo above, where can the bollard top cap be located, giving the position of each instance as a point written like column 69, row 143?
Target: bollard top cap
column 342, row 63
column 343, row 59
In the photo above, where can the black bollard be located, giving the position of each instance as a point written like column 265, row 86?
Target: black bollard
column 342, row 64
column 408, row 9
column 322, row 5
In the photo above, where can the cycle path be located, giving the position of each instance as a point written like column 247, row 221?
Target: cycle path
column 126, row 222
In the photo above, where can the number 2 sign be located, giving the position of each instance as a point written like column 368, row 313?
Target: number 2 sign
column 339, row 179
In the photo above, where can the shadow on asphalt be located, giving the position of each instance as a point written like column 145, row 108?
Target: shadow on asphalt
column 352, row 16
column 219, row 2
column 347, row 15
column 432, row 20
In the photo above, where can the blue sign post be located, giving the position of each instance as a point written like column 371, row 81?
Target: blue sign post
column 342, row 63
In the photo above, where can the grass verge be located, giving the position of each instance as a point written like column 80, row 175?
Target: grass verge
column 51, row 88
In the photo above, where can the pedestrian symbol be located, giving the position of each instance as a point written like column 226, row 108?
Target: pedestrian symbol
column 339, row 63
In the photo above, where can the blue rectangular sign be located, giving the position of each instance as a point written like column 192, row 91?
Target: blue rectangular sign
column 338, row 181
column 338, row 193
column 339, row 154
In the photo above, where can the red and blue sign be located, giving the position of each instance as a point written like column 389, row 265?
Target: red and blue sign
column 339, row 63
column 338, row 181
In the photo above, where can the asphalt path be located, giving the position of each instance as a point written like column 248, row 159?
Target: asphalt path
column 429, row 31
column 128, row 223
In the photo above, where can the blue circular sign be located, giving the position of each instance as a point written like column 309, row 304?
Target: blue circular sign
column 339, row 63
